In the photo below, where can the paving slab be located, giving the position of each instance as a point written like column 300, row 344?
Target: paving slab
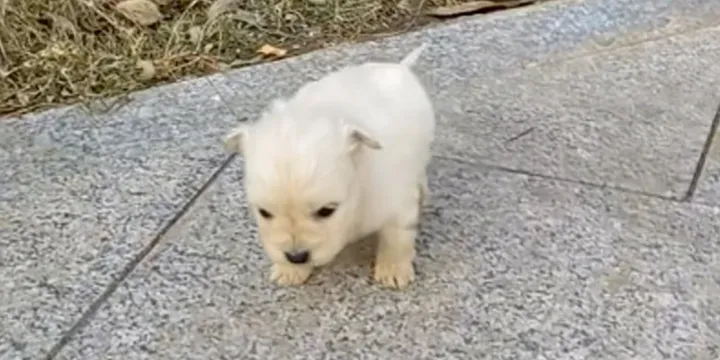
column 634, row 117
column 708, row 190
column 82, row 194
column 509, row 267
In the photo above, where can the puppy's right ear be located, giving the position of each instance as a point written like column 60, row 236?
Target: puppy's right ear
column 358, row 137
column 234, row 141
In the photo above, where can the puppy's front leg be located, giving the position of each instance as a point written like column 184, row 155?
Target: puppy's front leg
column 290, row 274
column 394, row 259
column 396, row 247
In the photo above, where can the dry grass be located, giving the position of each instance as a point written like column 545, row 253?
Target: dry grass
column 55, row 52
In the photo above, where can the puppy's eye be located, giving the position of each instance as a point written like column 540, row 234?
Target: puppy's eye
column 325, row 212
column 265, row 214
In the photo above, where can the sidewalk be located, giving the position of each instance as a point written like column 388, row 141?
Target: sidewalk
column 574, row 215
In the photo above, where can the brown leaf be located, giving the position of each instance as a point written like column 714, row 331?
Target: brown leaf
column 475, row 6
column 143, row 12
column 269, row 50
column 147, row 69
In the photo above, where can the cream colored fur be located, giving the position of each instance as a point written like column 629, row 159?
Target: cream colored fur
column 357, row 141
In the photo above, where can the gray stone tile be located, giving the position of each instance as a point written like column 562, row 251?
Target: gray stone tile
column 708, row 190
column 80, row 196
column 633, row 22
column 509, row 267
column 634, row 117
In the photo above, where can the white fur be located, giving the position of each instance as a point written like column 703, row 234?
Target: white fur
column 359, row 138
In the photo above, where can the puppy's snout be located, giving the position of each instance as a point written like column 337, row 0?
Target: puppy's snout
column 298, row 257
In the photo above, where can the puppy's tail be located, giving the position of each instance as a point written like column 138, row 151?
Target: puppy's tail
column 410, row 59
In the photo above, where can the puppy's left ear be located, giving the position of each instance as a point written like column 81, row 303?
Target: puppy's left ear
column 358, row 136
column 234, row 141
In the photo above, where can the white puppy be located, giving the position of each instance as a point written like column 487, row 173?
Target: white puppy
column 343, row 158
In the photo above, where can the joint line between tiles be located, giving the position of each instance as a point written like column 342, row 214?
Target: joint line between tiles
column 87, row 316
column 703, row 156
column 555, row 178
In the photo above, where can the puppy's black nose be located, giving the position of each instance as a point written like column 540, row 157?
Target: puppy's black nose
column 297, row 257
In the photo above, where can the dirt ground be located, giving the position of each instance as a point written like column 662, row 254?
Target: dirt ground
column 58, row 52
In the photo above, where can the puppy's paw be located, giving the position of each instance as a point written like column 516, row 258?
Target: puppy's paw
column 396, row 275
column 289, row 275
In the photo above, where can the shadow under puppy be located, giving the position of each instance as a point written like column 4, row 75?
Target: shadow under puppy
column 343, row 158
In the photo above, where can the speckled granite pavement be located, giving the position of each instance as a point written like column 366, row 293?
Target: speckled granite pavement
column 575, row 209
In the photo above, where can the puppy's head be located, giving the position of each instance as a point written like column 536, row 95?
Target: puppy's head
column 301, row 181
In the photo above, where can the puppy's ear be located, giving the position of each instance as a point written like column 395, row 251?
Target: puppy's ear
column 358, row 136
column 234, row 141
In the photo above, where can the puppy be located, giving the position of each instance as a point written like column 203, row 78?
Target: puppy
column 343, row 158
